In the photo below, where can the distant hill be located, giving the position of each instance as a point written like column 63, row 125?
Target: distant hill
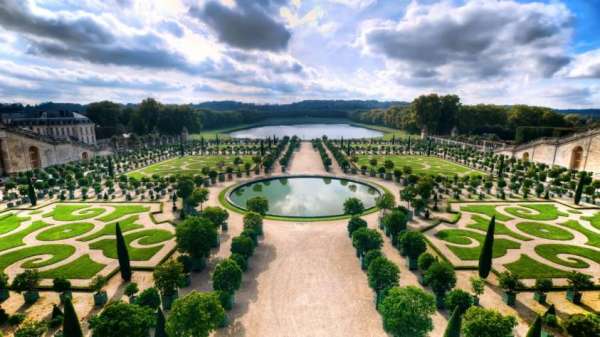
column 306, row 107
column 594, row 113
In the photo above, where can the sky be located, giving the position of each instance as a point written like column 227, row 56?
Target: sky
column 543, row 52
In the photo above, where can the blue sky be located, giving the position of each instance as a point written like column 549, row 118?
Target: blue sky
column 544, row 52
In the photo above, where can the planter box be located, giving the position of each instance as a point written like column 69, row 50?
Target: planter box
column 412, row 264
column 100, row 298
column 540, row 297
column 31, row 296
column 509, row 298
column 4, row 294
column 439, row 301
column 224, row 226
column 167, row 301
column 198, row 264
column 363, row 264
column 187, row 280
column 574, row 296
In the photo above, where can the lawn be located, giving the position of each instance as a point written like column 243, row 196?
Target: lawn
column 465, row 237
column 501, row 229
column 529, row 268
column 189, row 165
column 538, row 212
column 93, row 225
column 419, row 164
column 545, row 231
column 489, row 210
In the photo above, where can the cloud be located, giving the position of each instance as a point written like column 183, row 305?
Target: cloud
column 249, row 25
column 480, row 39
column 586, row 65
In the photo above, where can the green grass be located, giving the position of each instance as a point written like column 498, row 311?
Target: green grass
column 16, row 239
column 462, row 237
column 419, row 164
column 529, row 268
column 64, row 212
column 57, row 253
column 144, row 237
column 594, row 220
column 388, row 133
column 63, row 232
column 82, row 268
column 127, row 224
column 537, row 212
column 10, row 222
column 551, row 252
column 545, row 231
column 122, row 210
column 188, row 166
column 489, row 210
column 593, row 237
column 501, row 229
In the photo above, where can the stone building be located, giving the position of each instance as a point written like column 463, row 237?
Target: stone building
column 58, row 125
column 580, row 151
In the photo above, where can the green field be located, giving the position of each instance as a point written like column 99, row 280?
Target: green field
column 189, row 165
column 419, row 164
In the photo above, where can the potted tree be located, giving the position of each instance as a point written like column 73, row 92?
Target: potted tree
column 130, row 290
column 196, row 237
column 441, row 277
column 413, row 244
column 577, row 282
column 186, row 262
column 168, row 278
column 424, row 262
column 62, row 286
column 542, row 286
column 97, row 285
column 383, row 275
column 478, row 287
column 365, row 239
column 227, row 279
column 26, row 283
column 4, row 293
column 510, row 283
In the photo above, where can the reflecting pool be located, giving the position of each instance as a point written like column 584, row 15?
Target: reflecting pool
column 307, row 131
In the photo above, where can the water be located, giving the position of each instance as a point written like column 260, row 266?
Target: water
column 305, row 196
column 308, row 131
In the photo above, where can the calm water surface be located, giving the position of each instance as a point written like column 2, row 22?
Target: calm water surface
column 305, row 196
column 307, row 131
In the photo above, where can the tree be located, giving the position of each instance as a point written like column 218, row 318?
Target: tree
column 395, row 222
column 383, row 274
column 111, row 168
column 168, row 277
column 122, row 319
column 487, row 250
column 243, row 246
column 123, row 255
column 355, row 223
column 195, row 236
column 217, row 215
column 458, row 299
column 195, row 315
column 159, row 330
column 413, row 244
column 407, row 312
column 479, row 322
column 440, row 277
column 536, row 328
column 149, row 298
column 580, row 325
column 130, row 290
column 453, row 328
column 254, row 221
column 365, row 239
column 386, row 201
column 71, row 327
column 185, row 188
column 31, row 193
column 31, row 329
column 353, row 206
column 227, row 278
column 259, row 205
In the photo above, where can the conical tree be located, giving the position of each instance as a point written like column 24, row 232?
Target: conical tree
column 536, row 329
column 111, row 168
column 453, row 328
column 31, row 193
column 71, row 327
column 123, row 254
column 159, row 331
column 486, row 254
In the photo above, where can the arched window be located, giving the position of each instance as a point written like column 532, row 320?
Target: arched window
column 84, row 155
column 576, row 158
column 34, row 157
column 526, row 156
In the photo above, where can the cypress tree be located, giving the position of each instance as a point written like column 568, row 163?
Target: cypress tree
column 579, row 189
column 71, row 327
column 501, row 167
column 123, row 255
column 486, row 255
column 536, row 329
column 453, row 328
column 111, row 169
column 159, row 331
column 429, row 147
column 31, row 193
column 409, row 144
column 181, row 149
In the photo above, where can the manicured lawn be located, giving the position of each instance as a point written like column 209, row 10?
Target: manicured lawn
column 122, row 210
column 529, row 268
column 545, row 231
column 462, row 237
column 65, row 212
column 388, row 133
column 10, row 222
column 127, row 224
column 57, row 253
column 594, row 220
column 189, row 165
column 82, row 268
column 551, row 252
column 501, row 229
column 63, row 232
column 16, row 239
column 419, row 164
column 593, row 237
column 145, row 237
column 538, row 212
column 489, row 210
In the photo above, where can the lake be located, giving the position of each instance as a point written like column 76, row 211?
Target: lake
column 308, row 131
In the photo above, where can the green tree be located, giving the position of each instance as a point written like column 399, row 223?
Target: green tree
column 441, row 277
column 31, row 329
column 168, row 276
column 413, row 244
column 453, row 328
column 122, row 319
column 407, row 312
column 580, row 325
column 365, row 239
column 353, row 206
column 195, row 236
column 199, row 197
column 217, row 215
column 386, row 201
column 487, row 250
column 123, row 255
column 159, row 330
column 227, row 278
column 243, row 246
column 458, row 299
column 480, row 322
column 149, row 297
column 355, row 223
column 253, row 221
column 536, row 328
column 259, row 205
column 31, row 193
column 71, row 327
column 383, row 274
column 195, row 315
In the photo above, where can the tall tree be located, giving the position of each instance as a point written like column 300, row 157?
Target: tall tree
column 159, row 331
column 31, row 193
column 487, row 251
column 453, row 328
column 71, row 327
column 123, row 254
column 427, row 110
column 536, row 329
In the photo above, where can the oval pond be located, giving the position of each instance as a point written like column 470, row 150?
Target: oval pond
column 307, row 131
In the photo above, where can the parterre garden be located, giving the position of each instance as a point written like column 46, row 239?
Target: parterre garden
column 418, row 164
column 532, row 240
column 192, row 165
column 77, row 241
